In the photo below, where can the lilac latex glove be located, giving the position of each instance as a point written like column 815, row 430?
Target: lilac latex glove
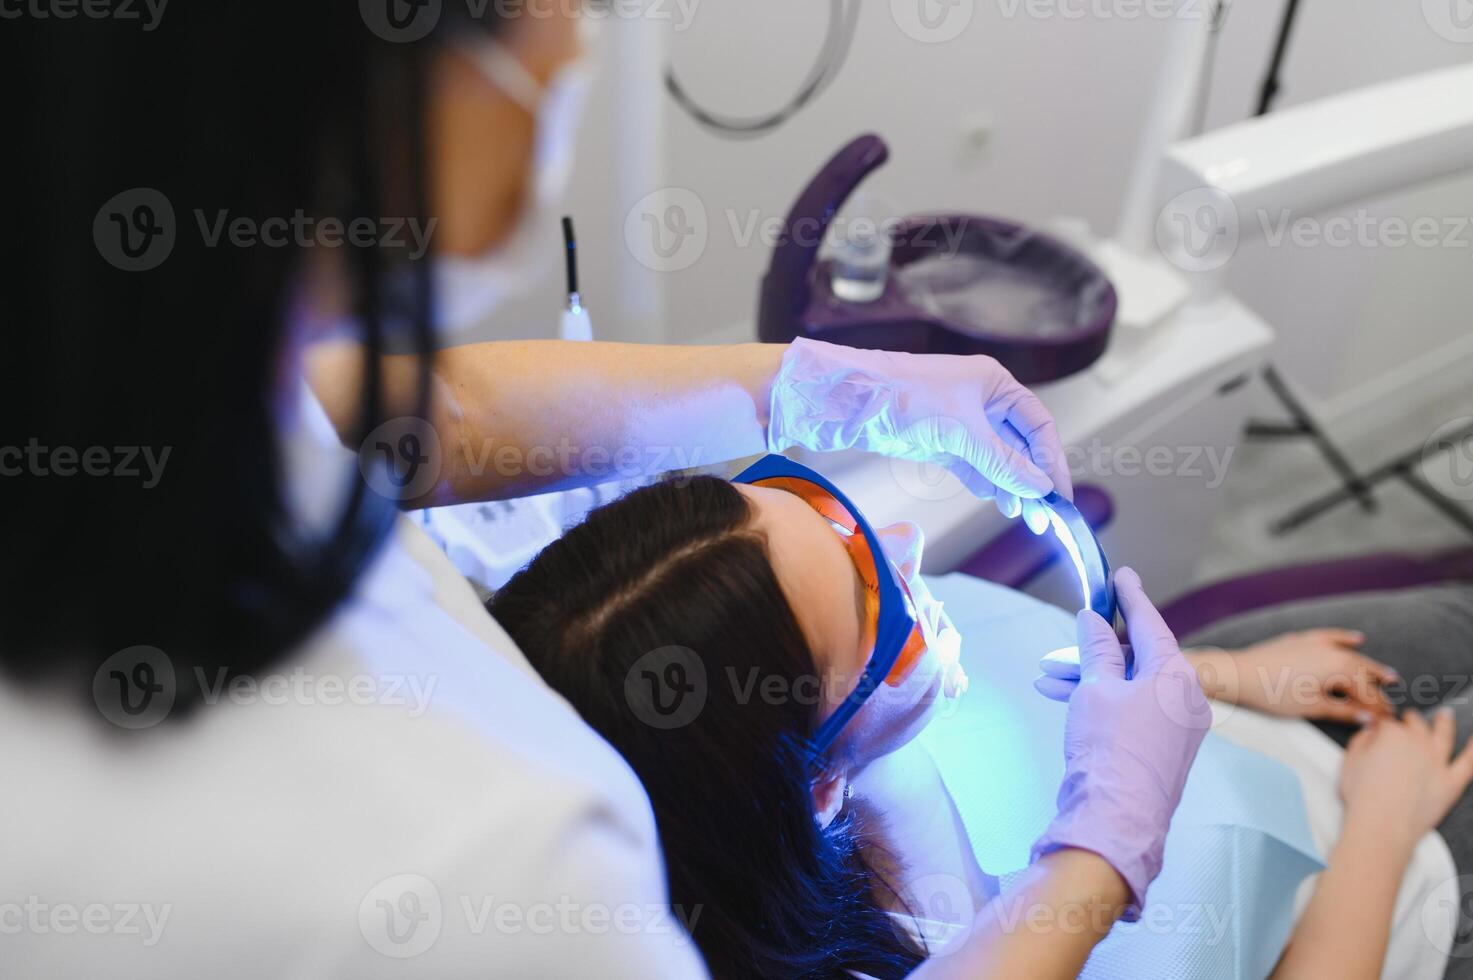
column 1128, row 744
column 964, row 413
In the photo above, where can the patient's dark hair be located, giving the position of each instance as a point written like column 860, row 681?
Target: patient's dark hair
column 679, row 565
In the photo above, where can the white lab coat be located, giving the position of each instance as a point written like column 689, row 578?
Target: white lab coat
column 450, row 816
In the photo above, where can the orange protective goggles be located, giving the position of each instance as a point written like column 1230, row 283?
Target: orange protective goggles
column 892, row 629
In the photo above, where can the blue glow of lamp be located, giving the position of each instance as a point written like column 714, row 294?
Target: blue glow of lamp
column 1084, row 550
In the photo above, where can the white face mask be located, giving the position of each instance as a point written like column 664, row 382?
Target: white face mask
column 469, row 288
column 941, row 637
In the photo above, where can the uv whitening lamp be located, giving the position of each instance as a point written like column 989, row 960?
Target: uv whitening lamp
column 1083, row 548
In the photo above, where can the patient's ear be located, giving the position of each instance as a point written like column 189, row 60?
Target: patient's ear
column 829, row 793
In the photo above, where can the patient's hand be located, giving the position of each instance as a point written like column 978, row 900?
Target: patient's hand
column 1398, row 781
column 1401, row 777
column 1316, row 673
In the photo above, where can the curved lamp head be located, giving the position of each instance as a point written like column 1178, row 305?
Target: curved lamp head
column 1083, row 548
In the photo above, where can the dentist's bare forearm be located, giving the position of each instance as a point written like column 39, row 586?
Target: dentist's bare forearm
column 521, row 417
column 564, row 414
column 1044, row 926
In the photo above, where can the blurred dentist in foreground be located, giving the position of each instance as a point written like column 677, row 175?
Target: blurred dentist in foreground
column 208, row 712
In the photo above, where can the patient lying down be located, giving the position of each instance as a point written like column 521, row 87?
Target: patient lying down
column 740, row 609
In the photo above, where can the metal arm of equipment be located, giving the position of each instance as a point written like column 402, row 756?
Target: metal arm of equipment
column 1332, row 151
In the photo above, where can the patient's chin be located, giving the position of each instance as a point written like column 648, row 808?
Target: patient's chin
column 932, row 697
column 894, row 716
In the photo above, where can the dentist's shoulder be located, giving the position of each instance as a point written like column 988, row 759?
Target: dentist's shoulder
column 402, row 796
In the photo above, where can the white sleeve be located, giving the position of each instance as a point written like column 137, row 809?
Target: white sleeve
column 617, row 920
column 598, row 907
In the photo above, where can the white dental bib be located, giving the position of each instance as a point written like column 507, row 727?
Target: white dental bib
column 1259, row 810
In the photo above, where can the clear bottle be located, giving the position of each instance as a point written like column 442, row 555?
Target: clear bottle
column 861, row 262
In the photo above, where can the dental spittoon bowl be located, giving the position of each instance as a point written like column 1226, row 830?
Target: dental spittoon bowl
column 955, row 284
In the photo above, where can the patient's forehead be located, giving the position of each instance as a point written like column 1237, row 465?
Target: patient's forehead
column 817, row 575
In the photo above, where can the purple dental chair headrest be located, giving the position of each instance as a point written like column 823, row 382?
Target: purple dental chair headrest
column 956, row 284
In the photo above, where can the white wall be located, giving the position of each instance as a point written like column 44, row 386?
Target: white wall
column 1366, row 333
column 620, row 144
column 1060, row 98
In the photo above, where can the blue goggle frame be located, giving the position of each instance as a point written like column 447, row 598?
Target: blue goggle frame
column 896, row 617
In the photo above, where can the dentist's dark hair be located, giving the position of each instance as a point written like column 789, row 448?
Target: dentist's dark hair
column 143, row 499
column 678, row 566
